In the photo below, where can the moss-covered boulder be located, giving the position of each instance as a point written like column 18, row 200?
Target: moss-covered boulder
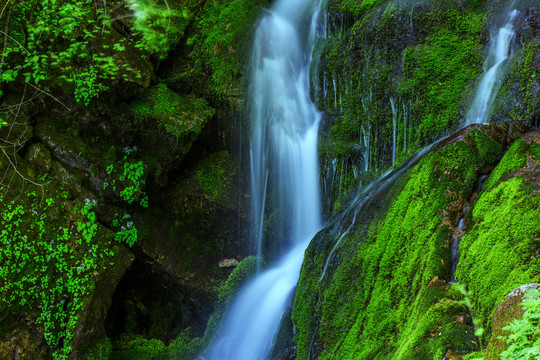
column 508, row 310
column 58, row 274
column 374, row 283
column 499, row 250
column 171, row 122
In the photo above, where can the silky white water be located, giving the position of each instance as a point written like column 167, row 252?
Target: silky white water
column 283, row 153
column 487, row 89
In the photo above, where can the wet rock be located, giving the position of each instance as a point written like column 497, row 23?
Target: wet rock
column 39, row 157
column 227, row 263
column 24, row 342
column 65, row 149
column 509, row 309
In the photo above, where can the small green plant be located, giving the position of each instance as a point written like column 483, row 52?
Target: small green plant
column 524, row 339
column 131, row 180
column 478, row 328
column 65, row 40
column 127, row 232
column 39, row 270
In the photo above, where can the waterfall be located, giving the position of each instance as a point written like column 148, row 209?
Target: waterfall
column 498, row 53
column 284, row 165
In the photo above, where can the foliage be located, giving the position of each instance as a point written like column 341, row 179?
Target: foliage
column 524, row 338
column 159, row 27
column 131, row 180
column 101, row 351
column 138, row 349
column 38, row 268
column 72, row 54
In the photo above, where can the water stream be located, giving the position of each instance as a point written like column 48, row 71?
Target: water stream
column 284, row 162
column 501, row 45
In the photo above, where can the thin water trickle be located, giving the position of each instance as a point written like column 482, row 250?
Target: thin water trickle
column 284, row 162
column 501, row 45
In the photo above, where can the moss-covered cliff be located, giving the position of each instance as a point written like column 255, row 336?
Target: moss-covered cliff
column 376, row 284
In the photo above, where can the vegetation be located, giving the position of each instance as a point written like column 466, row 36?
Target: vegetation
column 385, row 296
column 39, row 270
column 524, row 342
column 80, row 79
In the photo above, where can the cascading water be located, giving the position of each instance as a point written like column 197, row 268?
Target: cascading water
column 498, row 53
column 284, row 153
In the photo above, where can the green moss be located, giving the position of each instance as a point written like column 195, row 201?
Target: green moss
column 376, row 300
column 382, row 81
column 441, row 68
column 139, row 349
column 213, row 175
column 101, row 351
column 219, row 44
column 489, row 151
column 245, row 269
column 505, row 221
column 534, row 150
column 524, row 73
column 477, row 355
column 358, row 8
column 514, row 159
column 176, row 114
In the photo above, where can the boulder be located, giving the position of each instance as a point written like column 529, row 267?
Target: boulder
column 509, row 309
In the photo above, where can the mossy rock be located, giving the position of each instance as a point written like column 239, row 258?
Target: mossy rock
column 378, row 289
column 57, row 276
column 504, row 219
column 508, row 310
column 171, row 123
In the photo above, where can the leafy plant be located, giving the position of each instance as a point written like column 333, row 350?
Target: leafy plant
column 524, row 339
column 131, row 180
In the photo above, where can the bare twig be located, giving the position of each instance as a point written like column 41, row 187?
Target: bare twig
column 49, row 94
column 19, row 173
column 18, row 43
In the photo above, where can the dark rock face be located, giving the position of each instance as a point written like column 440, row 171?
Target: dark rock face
column 142, row 155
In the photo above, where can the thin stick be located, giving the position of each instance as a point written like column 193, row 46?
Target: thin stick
column 46, row 93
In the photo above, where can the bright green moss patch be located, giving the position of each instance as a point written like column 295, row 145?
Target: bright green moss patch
column 499, row 252
column 441, row 68
column 357, row 8
column 384, row 297
column 245, row 269
column 477, row 355
column 139, row 349
column 514, row 159
column 176, row 114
